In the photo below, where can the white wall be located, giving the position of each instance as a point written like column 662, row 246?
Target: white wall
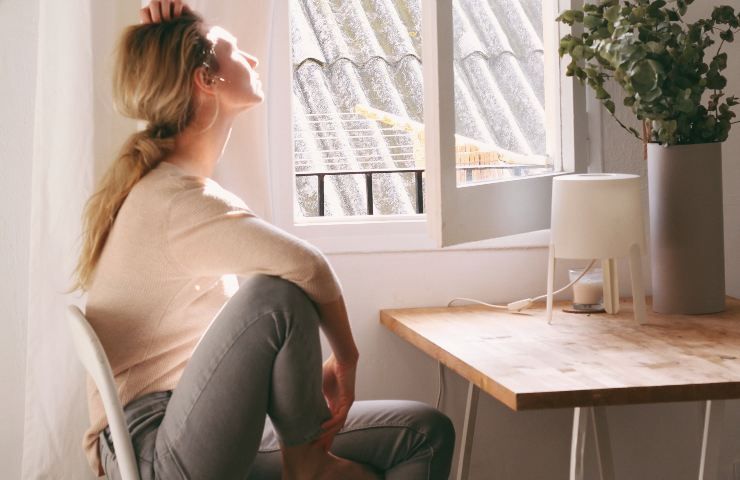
column 650, row 442
column 18, row 24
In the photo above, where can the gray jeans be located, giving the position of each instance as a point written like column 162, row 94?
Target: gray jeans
column 260, row 357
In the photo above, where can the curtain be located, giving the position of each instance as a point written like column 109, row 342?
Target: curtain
column 76, row 136
column 62, row 173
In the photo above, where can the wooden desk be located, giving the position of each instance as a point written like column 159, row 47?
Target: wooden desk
column 586, row 362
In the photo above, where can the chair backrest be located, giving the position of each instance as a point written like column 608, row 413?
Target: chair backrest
column 91, row 354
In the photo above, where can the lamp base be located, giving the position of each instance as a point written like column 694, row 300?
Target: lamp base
column 585, row 309
column 611, row 292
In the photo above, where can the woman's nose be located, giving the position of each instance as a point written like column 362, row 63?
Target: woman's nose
column 252, row 60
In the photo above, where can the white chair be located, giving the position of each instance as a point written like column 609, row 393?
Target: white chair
column 91, row 354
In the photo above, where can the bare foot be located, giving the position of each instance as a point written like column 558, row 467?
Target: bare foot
column 342, row 469
column 307, row 462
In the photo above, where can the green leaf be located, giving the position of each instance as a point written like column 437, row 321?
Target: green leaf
column 609, row 105
column 592, row 21
column 727, row 36
column 684, row 103
column 601, row 93
column 646, row 77
column 567, row 17
column 681, row 7
column 715, row 81
column 723, row 14
column 655, row 47
column 720, row 61
column 612, row 13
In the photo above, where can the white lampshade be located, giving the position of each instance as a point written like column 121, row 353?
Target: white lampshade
column 596, row 215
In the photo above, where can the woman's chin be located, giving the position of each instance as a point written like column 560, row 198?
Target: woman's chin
column 252, row 102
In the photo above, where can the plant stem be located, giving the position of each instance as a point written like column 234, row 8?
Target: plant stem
column 625, row 127
column 645, row 137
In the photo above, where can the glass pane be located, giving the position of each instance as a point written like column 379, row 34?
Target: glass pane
column 357, row 103
column 499, row 90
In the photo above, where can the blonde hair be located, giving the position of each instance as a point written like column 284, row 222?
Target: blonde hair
column 152, row 81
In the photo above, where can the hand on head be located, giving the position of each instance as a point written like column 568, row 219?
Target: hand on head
column 162, row 10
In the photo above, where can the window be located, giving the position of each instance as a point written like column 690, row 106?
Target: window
column 361, row 140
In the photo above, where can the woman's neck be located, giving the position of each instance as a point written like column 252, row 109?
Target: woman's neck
column 198, row 150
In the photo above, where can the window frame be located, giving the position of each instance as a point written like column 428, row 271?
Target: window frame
column 386, row 233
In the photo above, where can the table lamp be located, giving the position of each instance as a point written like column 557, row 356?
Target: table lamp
column 599, row 216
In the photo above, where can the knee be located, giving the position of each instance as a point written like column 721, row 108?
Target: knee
column 438, row 428
column 265, row 293
column 431, row 427
column 433, row 435
column 440, row 439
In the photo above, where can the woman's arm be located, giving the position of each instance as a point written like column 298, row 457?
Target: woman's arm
column 339, row 369
column 335, row 325
column 210, row 232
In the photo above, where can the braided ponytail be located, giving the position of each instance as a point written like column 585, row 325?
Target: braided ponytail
column 152, row 81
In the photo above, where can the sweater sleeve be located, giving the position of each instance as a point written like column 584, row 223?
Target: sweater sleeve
column 211, row 232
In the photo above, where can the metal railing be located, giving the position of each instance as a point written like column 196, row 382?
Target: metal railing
column 517, row 170
column 369, row 184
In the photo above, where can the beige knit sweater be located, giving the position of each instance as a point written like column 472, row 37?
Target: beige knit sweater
column 168, row 267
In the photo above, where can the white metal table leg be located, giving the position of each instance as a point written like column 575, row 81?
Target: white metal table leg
column 581, row 418
column 710, row 444
column 603, row 445
column 578, row 442
column 466, row 447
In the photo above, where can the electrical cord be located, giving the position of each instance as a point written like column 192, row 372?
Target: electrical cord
column 524, row 303
column 440, row 383
column 516, row 306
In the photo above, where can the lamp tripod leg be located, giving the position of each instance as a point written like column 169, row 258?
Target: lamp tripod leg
column 550, row 280
column 611, row 285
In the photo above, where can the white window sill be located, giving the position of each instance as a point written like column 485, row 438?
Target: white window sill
column 397, row 233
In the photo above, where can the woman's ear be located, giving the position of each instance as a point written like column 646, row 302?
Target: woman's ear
column 204, row 81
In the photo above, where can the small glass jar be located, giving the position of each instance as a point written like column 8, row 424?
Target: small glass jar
column 588, row 292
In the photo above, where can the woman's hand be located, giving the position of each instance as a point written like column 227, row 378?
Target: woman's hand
column 339, row 391
column 162, row 10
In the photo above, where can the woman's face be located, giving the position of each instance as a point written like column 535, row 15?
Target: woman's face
column 238, row 84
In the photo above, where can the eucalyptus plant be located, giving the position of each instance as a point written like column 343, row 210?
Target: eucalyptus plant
column 671, row 70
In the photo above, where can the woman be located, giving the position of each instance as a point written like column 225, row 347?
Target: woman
column 199, row 360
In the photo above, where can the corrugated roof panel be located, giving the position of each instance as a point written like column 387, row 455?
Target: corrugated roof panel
column 368, row 52
column 302, row 37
